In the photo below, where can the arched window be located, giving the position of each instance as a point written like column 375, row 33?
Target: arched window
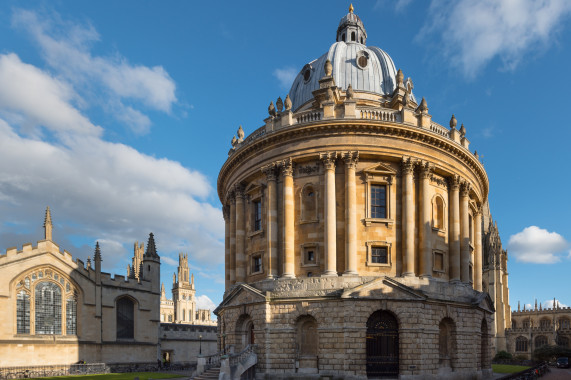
column 514, row 325
column 361, row 39
column 352, row 36
column 23, row 313
column 540, row 341
column 48, row 308
column 447, row 343
column 563, row 341
column 544, row 323
column 307, row 336
column 308, row 204
column 438, row 213
column 564, row 323
column 382, row 345
column 125, row 318
column 521, row 344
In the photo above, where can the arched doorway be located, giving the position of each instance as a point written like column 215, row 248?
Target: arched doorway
column 484, row 354
column 251, row 339
column 382, row 345
column 307, row 342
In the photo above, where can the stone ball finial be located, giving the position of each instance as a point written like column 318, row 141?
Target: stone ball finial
column 400, row 78
column 280, row 104
column 453, row 122
column 240, row 134
column 287, row 103
column 349, row 93
column 272, row 109
column 462, row 130
column 328, row 68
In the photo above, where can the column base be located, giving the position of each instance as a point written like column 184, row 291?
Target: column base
column 288, row 275
column 350, row 273
column 427, row 276
column 271, row 277
column 455, row 281
column 329, row 274
column 408, row 274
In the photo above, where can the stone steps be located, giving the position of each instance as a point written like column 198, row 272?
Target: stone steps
column 212, row 373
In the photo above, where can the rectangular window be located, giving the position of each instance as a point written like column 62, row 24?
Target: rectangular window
column 379, row 255
column 257, row 215
column 256, row 264
column 309, row 254
column 438, row 262
column 378, row 201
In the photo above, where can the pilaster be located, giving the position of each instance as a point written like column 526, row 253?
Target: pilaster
column 426, row 220
column 465, row 233
column 271, row 220
column 454, row 224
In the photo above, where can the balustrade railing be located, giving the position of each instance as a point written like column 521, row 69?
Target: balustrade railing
column 27, row 372
column 308, row 117
column 235, row 359
column 212, row 361
column 379, row 115
column 437, row 128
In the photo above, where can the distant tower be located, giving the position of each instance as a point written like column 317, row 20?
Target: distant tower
column 48, row 225
column 183, row 292
column 135, row 268
column 151, row 267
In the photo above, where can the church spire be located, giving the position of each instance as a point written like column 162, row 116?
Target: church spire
column 48, row 225
column 151, row 247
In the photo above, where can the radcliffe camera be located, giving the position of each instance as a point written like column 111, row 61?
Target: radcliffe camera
column 351, row 230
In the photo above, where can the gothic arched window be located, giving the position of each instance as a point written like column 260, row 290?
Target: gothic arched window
column 125, row 318
column 48, row 308
column 23, row 312
column 521, row 344
column 540, row 341
column 71, row 315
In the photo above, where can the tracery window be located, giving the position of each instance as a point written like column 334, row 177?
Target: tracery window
column 125, row 318
column 521, row 344
column 544, row 323
column 564, row 323
column 46, row 304
column 540, row 341
column 563, row 341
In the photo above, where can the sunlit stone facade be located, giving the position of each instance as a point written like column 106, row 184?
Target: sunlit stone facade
column 354, row 229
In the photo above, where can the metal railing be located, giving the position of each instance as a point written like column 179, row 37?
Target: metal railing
column 27, row 372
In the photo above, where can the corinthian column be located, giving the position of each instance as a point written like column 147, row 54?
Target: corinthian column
column 478, row 253
column 288, row 212
column 465, row 233
column 328, row 159
column 425, row 220
column 407, row 167
column 226, row 214
column 232, row 238
column 271, row 220
column 240, row 235
column 351, row 159
column 454, row 224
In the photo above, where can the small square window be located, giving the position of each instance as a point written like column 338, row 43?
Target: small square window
column 379, row 255
column 256, row 264
column 310, row 254
column 438, row 265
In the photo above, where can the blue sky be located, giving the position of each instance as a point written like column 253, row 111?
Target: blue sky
column 118, row 115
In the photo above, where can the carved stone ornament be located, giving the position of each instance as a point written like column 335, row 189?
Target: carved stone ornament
column 462, row 130
column 287, row 103
column 425, row 170
column 454, row 182
column 453, row 122
column 465, row 188
column 405, row 99
column 476, row 155
column 400, row 78
column 351, row 159
column 328, row 159
column 328, row 68
column 407, row 165
column 240, row 134
column 239, row 190
column 438, row 180
column 272, row 109
column 234, row 141
column 286, row 167
column 280, row 104
column 349, row 93
column 270, row 171
column 226, row 212
column 307, row 169
column 423, row 107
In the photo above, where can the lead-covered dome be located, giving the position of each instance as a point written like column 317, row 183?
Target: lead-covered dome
column 366, row 69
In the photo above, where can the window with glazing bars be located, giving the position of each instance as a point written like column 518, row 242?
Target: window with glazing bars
column 48, row 308
column 23, row 313
column 71, row 316
column 379, row 255
column 378, row 201
column 125, row 319
column 257, row 215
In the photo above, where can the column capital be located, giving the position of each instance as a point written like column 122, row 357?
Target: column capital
column 226, row 212
column 407, row 165
column 426, row 169
column 465, row 188
column 239, row 190
column 454, row 182
column 479, row 211
column 270, row 171
column 286, row 167
column 328, row 159
column 350, row 158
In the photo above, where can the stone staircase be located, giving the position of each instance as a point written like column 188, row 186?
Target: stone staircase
column 211, row 373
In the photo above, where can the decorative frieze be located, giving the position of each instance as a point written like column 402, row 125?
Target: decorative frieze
column 305, row 170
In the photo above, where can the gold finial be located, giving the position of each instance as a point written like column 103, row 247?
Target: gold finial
column 351, row 8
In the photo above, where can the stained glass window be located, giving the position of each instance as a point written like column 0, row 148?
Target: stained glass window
column 125, row 319
column 71, row 316
column 378, row 201
column 48, row 308
column 23, row 313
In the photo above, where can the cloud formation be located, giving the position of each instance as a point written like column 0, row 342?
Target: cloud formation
column 549, row 304
column 66, row 47
column 473, row 33
column 285, row 76
column 537, row 245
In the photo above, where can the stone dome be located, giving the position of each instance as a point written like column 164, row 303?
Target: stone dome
column 366, row 69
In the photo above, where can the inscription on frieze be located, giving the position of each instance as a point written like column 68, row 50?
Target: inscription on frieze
column 305, row 170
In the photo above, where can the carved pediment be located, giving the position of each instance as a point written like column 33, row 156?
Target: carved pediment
column 484, row 301
column 384, row 288
column 241, row 295
column 379, row 169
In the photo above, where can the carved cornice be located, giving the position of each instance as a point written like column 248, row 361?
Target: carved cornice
column 439, row 180
column 270, row 171
column 407, row 166
column 454, row 182
column 286, row 167
column 328, row 159
column 393, row 130
column 351, row 159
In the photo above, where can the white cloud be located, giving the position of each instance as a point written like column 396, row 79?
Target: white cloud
column 66, row 48
column 549, row 304
column 285, row 76
column 473, row 33
column 400, row 5
column 537, row 245
column 203, row 302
